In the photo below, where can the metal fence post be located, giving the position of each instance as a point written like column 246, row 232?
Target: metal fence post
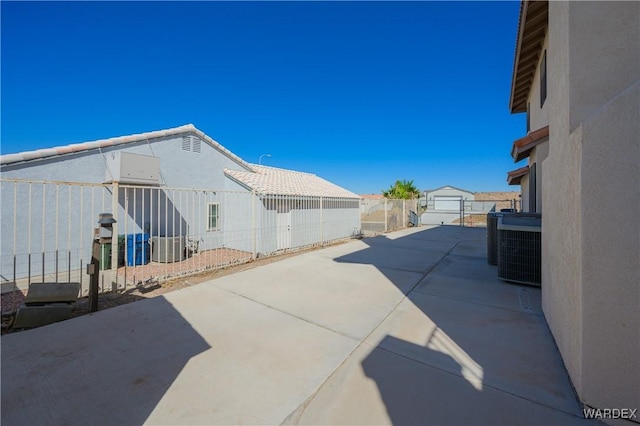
column 386, row 220
column 254, row 228
column 114, row 241
column 94, row 271
column 404, row 213
column 321, row 223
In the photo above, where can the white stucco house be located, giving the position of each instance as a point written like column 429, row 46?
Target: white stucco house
column 170, row 185
column 576, row 75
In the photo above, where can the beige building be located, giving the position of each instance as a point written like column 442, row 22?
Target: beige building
column 577, row 77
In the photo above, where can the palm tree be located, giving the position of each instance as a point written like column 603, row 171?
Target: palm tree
column 402, row 190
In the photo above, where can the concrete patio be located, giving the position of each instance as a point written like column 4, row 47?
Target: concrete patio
column 408, row 328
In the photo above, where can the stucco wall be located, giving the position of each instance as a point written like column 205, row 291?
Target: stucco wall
column 539, row 115
column 538, row 118
column 611, row 253
column 524, row 188
column 538, row 156
column 58, row 222
column 191, row 179
column 179, row 168
column 604, row 55
column 87, row 166
column 561, row 230
column 309, row 223
column 590, row 230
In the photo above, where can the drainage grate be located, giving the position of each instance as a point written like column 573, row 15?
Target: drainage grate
column 525, row 299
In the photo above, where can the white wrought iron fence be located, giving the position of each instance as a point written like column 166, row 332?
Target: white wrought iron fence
column 47, row 230
column 469, row 213
column 383, row 215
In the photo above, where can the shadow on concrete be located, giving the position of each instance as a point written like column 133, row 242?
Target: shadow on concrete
column 110, row 368
column 473, row 341
column 415, row 393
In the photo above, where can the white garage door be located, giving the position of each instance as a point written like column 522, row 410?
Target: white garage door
column 447, row 202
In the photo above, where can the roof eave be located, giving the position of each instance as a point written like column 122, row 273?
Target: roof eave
column 532, row 29
column 515, row 176
column 449, row 186
column 60, row 151
column 241, row 183
column 522, row 147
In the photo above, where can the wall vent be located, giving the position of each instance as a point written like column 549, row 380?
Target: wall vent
column 196, row 145
column 186, row 143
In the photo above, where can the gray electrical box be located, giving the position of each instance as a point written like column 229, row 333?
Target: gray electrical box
column 126, row 167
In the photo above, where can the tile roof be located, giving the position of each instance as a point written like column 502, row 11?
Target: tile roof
column 522, row 147
column 104, row 143
column 275, row 181
column 515, row 176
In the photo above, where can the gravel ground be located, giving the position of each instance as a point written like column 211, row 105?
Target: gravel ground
column 136, row 275
column 11, row 301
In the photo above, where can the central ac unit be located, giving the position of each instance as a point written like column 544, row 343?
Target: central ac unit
column 168, row 249
column 492, row 237
column 519, row 248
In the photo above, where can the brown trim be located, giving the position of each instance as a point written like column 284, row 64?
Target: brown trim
column 532, row 29
column 515, row 176
column 522, row 147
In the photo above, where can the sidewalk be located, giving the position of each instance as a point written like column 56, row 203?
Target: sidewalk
column 410, row 327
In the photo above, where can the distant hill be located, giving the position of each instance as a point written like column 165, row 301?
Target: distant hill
column 491, row 196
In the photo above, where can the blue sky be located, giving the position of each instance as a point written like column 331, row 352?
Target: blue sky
column 359, row 93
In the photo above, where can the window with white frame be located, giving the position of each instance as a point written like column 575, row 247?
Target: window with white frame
column 213, row 216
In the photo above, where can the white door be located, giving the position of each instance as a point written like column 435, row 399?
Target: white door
column 283, row 224
column 451, row 203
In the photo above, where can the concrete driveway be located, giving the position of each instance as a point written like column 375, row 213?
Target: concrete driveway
column 408, row 328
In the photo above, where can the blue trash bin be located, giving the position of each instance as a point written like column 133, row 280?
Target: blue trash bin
column 138, row 252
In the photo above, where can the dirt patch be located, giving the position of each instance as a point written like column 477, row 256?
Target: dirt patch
column 474, row 220
column 504, row 200
column 496, row 196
